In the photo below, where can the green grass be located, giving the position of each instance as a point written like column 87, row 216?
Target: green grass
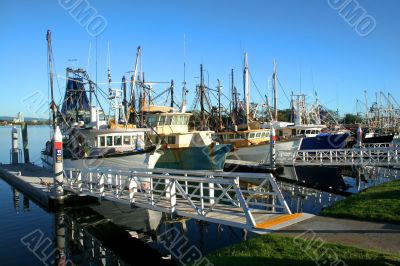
column 280, row 250
column 379, row 204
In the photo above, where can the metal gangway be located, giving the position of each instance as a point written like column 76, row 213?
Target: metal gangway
column 220, row 197
column 379, row 154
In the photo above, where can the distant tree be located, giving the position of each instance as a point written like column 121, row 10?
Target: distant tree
column 351, row 119
column 284, row 115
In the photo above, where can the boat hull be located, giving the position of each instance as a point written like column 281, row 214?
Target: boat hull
column 261, row 153
column 143, row 161
column 324, row 142
column 379, row 139
column 210, row 157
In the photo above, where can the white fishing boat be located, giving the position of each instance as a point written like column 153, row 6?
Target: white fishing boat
column 90, row 138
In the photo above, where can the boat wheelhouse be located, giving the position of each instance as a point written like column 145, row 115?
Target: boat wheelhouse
column 184, row 148
column 244, row 138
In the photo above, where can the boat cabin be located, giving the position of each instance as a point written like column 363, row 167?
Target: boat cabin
column 173, row 129
column 244, row 138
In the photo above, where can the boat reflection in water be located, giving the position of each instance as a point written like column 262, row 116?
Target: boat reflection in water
column 114, row 234
column 343, row 180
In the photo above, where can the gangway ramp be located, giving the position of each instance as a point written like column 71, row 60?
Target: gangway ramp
column 219, row 197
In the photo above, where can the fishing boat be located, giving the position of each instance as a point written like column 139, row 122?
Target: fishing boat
column 90, row 138
column 251, row 138
column 184, row 149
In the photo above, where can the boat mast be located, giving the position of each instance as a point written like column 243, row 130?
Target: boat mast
column 125, row 103
column 172, row 93
column 219, row 106
column 201, row 91
column 234, row 99
column 275, row 94
column 133, row 82
column 50, row 58
column 366, row 108
column 184, row 90
column 246, row 88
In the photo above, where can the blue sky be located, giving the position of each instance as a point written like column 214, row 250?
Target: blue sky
column 309, row 40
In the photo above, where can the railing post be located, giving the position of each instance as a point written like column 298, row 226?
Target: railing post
column 116, row 192
column 362, row 156
column 186, row 185
column 172, row 191
column 211, row 191
column 79, row 181
column 101, row 184
column 132, row 189
column 151, row 191
column 352, row 157
column 90, row 181
column 201, row 198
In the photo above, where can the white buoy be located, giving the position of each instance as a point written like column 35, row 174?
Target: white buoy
column 58, row 164
column 359, row 136
column 272, row 148
column 14, row 145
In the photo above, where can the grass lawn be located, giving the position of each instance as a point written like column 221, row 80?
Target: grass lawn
column 280, row 250
column 379, row 204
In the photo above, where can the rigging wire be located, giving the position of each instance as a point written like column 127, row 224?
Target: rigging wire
column 255, row 85
column 284, row 92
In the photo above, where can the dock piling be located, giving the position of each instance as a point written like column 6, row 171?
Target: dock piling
column 24, row 130
column 58, row 165
column 359, row 136
column 272, row 156
column 14, row 146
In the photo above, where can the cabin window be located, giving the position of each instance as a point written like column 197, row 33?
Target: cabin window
column 251, row 136
column 237, row 136
column 280, row 133
column 152, row 120
column 179, row 120
column 258, row 135
column 109, row 141
column 134, row 139
column 102, row 141
column 231, row 136
column 185, row 120
column 127, row 140
column 302, row 132
column 293, row 132
column 171, row 140
column 168, row 120
column 117, row 140
column 162, row 120
column 174, row 120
